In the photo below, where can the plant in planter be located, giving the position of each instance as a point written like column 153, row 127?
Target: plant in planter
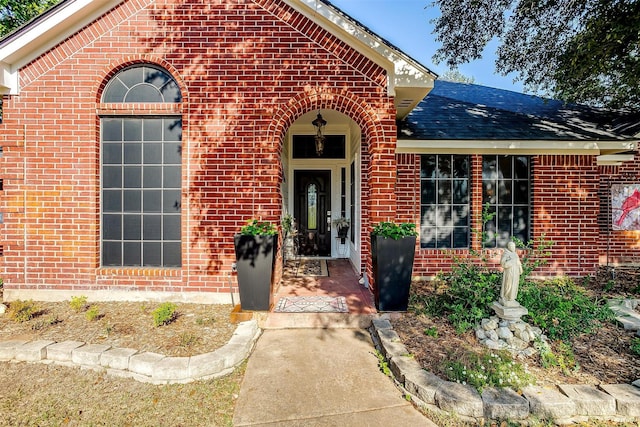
column 289, row 232
column 393, row 250
column 255, row 248
column 342, row 225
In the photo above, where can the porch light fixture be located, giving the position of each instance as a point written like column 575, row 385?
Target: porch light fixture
column 319, row 123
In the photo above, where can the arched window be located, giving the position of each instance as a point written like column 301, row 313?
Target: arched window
column 142, row 83
column 141, row 173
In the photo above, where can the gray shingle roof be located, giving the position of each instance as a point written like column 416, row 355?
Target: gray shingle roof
column 459, row 111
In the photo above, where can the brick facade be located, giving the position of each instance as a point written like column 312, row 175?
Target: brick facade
column 570, row 201
column 246, row 70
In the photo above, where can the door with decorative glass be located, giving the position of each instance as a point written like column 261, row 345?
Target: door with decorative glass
column 312, row 211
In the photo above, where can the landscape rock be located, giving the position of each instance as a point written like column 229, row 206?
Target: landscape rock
column 143, row 363
column 33, row 351
column 589, row 400
column 460, row 399
column 627, row 398
column 547, row 402
column 117, row 358
column 423, row 384
column 504, row 333
column 3, row 308
column 62, row 351
column 504, row 403
column 8, row 348
column 89, row 355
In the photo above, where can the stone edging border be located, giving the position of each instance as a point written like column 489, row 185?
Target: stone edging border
column 145, row 367
column 565, row 404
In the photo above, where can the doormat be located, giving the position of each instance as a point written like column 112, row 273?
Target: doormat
column 312, row 304
column 313, row 267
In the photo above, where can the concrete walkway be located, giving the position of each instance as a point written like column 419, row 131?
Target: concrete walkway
column 320, row 377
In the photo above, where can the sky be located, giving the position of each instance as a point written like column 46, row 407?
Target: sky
column 406, row 25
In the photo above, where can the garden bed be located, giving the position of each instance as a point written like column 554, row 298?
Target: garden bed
column 605, row 356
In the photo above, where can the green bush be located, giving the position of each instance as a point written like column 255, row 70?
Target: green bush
column 78, row 304
column 393, row 230
column 635, row 346
column 562, row 309
column 22, row 311
column 562, row 358
column 164, row 314
column 93, row 313
column 470, row 288
column 254, row 227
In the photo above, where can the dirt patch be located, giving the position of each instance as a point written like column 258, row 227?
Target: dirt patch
column 52, row 395
column 603, row 357
column 197, row 329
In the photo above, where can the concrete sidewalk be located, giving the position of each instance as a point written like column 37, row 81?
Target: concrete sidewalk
column 320, row 377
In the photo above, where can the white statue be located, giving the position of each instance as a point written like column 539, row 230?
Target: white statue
column 512, row 266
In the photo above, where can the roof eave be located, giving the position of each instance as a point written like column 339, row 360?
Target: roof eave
column 514, row 147
column 42, row 33
column 408, row 80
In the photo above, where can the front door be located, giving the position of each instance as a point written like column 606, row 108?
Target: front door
column 312, row 211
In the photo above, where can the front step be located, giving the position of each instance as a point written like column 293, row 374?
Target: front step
column 314, row 320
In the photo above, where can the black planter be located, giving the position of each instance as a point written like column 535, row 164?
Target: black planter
column 342, row 234
column 392, row 268
column 255, row 259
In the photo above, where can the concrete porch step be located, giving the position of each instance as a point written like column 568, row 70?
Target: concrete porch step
column 314, row 320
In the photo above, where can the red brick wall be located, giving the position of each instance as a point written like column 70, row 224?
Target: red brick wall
column 617, row 247
column 247, row 70
column 565, row 210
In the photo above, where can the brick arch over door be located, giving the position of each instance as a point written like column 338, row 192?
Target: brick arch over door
column 353, row 107
column 378, row 161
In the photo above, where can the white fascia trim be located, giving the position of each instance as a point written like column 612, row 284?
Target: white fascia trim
column 44, row 33
column 403, row 71
column 533, row 147
column 8, row 79
column 614, row 159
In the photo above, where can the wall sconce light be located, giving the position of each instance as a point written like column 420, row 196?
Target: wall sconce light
column 319, row 123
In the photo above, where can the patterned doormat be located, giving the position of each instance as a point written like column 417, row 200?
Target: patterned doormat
column 312, row 267
column 312, row 304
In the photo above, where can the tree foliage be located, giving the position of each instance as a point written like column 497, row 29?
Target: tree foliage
column 456, row 76
column 584, row 51
column 14, row 13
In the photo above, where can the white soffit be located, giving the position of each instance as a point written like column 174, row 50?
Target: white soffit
column 44, row 32
column 537, row 147
column 409, row 81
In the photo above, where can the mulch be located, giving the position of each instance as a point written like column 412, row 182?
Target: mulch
column 603, row 357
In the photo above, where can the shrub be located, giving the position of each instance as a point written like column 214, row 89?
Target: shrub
column 393, row 230
column 470, row 289
column 22, row 311
column 563, row 358
column 562, row 309
column 635, row 346
column 470, row 286
column 254, row 227
column 93, row 313
column 486, row 369
column 78, row 304
column 164, row 314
